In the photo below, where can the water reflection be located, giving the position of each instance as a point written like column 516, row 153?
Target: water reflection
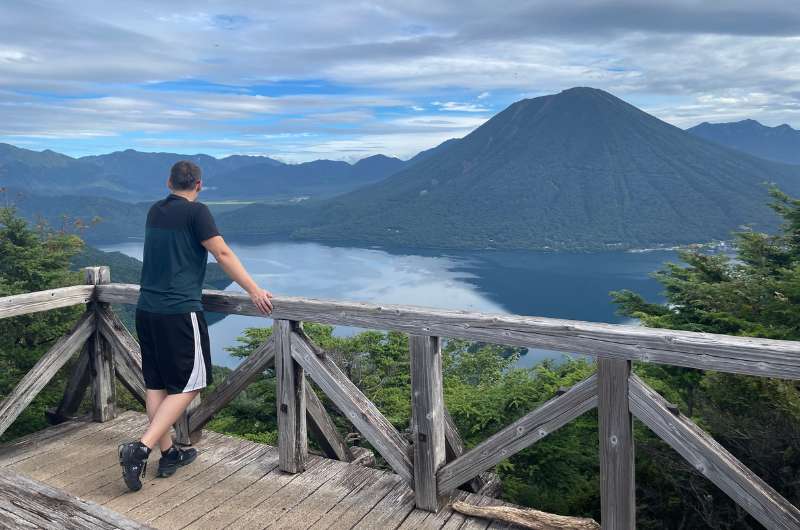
column 561, row 285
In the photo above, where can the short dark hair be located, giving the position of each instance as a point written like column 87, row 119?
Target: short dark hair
column 184, row 175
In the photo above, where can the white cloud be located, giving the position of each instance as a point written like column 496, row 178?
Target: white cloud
column 459, row 107
column 686, row 61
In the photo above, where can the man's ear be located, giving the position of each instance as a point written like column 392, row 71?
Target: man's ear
column 199, row 186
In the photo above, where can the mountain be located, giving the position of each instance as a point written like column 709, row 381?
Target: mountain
column 49, row 172
column 580, row 169
column 781, row 143
column 320, row 178
column 115, row 220
column 138, row 176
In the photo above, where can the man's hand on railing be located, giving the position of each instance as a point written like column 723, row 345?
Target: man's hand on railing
column 262, row 300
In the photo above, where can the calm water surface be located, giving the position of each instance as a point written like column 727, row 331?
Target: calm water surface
column 561, row 285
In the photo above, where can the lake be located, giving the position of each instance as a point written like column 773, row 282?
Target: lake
column 561, row 285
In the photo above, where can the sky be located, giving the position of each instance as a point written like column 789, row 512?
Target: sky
column 342, row 80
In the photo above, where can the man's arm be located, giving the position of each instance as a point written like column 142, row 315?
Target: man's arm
column 233, row 267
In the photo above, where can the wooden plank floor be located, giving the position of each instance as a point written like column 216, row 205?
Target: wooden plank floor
column 233, row 483
column 26, row 503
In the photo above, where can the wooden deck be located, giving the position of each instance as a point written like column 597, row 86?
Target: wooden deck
column 233, row 484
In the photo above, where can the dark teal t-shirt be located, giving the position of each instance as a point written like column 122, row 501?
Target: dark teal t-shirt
column 174, row 262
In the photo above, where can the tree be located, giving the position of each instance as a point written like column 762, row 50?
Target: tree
column 754, row 293
column 32, row 259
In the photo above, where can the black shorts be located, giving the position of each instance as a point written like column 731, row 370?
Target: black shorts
column 176, row 355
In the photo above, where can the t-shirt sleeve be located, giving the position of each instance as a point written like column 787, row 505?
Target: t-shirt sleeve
column 203, row 224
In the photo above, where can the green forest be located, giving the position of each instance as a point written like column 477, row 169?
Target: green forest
column 757, row 293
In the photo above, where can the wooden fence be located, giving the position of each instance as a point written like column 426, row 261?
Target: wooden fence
column 435, row 462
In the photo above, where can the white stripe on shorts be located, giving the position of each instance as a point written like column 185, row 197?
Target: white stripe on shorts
column 197, row 379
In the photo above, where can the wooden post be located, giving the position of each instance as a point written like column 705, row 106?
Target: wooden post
column 291, row 402
column 104, row 394
column 617, row 484
column 75, row 390
column 183, row 433
column 427, row 418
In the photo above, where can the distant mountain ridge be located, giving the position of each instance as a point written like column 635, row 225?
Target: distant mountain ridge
column 581, row 169
column 578, row 170
column 134, row 175
column 781, row 143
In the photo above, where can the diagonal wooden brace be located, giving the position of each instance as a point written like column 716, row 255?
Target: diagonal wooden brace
column 43, row 371
column 356, row 407
column 711, row 459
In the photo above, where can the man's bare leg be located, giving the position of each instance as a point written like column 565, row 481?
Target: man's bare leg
column 153, row 399
column 167, row 413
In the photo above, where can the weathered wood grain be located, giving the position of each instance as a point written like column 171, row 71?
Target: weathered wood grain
column 323, row 430
column 455, row 447
column 77, row 459
column 220, row 493
column 46, row 507
column 617, row 482
column 250, row 502
column 357, row 408
column 28, row 446
column 527, row 518
column 351, row 509
column 269, row 512
column 156, row 497
column 43, row 371
column 75, row 390
column 104, row 391
column 105, row 486
column 127, row 354
column 527, row 430
column 175, row 496
column 427, row 418
column 233, row 483
column 319, row 423
column 307, row 513
column 390, row 511
column 711, row 459
column 255, row 363
column 22, row 304
column 291, row 401
column 183, row 434
column 706, row 351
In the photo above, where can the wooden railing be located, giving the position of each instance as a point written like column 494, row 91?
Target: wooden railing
column 435, row 462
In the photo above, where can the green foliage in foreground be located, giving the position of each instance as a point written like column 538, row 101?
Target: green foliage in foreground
column 33, row 259
column 757, row 419
column 483, row 391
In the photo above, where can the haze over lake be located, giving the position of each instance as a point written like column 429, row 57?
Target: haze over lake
column 561, row 285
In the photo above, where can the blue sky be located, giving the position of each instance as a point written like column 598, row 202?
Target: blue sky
column 343, row 80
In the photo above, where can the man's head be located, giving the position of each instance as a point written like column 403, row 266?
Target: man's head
column 185, row 177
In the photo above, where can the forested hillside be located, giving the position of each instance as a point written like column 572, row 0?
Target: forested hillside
column 757, row 419
column 781, row 143
column 139, row 176
column 580, row 169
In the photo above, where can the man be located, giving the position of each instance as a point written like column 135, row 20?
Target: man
column 176, row 361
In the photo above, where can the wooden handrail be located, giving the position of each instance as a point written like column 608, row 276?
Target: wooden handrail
column 521, row 434
column 705, row 351
column 424, row 463
column 23, row 304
